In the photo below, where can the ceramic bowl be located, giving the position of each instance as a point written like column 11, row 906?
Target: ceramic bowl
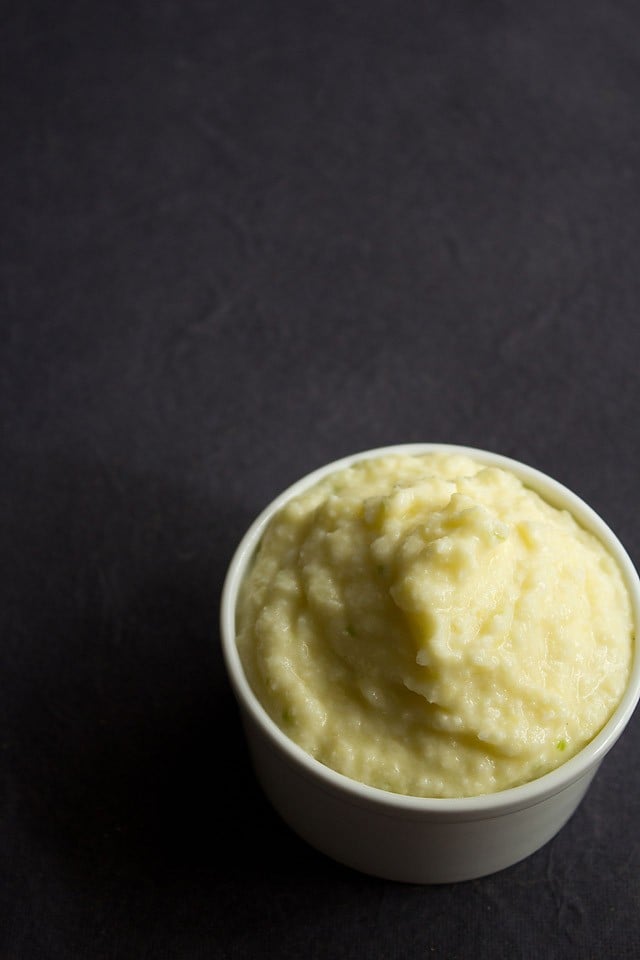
column 405, row 838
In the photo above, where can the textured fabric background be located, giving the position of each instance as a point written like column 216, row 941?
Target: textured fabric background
column 239, row 240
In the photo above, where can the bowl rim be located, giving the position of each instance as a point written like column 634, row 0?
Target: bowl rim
column 501, row 802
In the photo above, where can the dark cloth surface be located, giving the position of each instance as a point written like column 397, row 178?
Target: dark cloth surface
column 240, row 240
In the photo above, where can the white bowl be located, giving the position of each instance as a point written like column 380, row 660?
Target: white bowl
column 406, row 838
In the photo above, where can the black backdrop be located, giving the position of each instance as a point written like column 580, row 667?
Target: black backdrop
column 241, row 239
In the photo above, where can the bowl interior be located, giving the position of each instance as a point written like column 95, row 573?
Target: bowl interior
column 478, row 806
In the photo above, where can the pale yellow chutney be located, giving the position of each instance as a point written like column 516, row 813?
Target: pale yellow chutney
column 432, row 627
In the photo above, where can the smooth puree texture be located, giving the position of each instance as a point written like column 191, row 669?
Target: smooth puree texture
column 430, row 626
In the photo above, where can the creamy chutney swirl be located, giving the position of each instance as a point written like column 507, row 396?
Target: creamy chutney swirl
column 431, row 626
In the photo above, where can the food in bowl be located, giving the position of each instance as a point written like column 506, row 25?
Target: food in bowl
column 427, row 624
